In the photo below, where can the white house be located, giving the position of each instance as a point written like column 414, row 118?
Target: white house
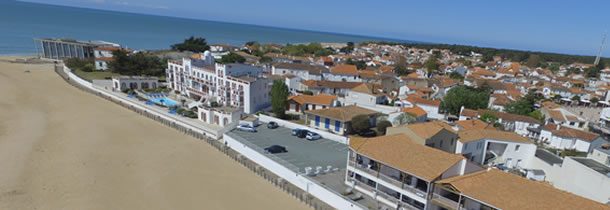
column 236, row 85
column 493, row 147
column 301, row 70
column 122, row 83
column 103, row 55
column 365, row 94
column 562, row 137
column 221, row 116
column 344, row 72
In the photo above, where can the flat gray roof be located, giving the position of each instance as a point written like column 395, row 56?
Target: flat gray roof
column 301, row 152
column 592, row 164
column 548, row 157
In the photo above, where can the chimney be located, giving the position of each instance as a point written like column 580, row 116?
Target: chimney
column 605, row 146
column 558, row 127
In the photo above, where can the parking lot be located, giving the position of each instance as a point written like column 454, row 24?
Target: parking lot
column 301, row 152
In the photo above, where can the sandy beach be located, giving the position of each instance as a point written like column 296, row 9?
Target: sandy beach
column 61, row 148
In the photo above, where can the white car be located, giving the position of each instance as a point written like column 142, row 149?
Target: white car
column 312, row 136
column 246, row 128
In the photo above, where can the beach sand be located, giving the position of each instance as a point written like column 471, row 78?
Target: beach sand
column 62, row 148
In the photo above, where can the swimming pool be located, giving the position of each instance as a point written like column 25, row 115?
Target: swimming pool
column 164, row 101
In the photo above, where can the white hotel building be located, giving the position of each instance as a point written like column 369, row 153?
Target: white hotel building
column 235, row 85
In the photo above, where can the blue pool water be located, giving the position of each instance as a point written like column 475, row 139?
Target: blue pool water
column 165, row 101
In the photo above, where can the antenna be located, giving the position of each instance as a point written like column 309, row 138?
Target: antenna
column 601, row 48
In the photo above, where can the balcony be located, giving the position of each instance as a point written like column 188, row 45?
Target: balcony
column 445, row 202
column 406, row 187
column 391, row 180
column 363, row 168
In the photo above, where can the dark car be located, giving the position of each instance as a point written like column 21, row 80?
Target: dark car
column 273, row 149
column 302, row 133
column 295, row 131
column 272, row 125
column 367, row 133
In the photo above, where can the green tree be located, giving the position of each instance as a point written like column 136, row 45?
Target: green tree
column 523, row 106
column 348, row 49
column 489, row 117
column 576, row 98
column 232, row 58
column 279, row 98
column 471, row 98
column 487, row 57
column 431, row 64
column 193, row 44
column 382, row 126
column 140, row 63
column 536, row 114
column 361, row 123
column 455, row 75
column 359, row 64
column 557, row 97
column 265, row 59
column 533, row 61
column 594, row 100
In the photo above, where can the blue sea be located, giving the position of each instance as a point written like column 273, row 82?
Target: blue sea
column 21, row 22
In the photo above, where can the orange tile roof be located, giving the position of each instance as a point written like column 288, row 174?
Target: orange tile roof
column 478, row 134
column 428, row 129
column 344, row 69
column 507, row 191
column 104, row 59
column 415, row 111
column 402, row 153
column 571, row 133
column 344, row 113
column 474, row 124
column 321, row 99
column 418, row 100
column 484, row 72
column 366, row 88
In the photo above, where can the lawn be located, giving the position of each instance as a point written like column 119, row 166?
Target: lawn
column 94, row 75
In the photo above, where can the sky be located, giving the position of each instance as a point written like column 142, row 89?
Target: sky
column 573, row 27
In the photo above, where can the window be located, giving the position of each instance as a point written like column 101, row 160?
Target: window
column 317, row 118
column 441, row 144
column 452, row 141
column 465, row 146
column 327, row 123
column 337, row 126
column 517, row 148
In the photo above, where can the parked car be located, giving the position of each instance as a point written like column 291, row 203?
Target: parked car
column 272, row 125
column 247, row 128
column 313, row 136
column 295, row 131
column 302, row 133
column 273, row 149
column 367, row 133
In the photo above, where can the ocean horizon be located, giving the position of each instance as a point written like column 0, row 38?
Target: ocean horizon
column 138, row 31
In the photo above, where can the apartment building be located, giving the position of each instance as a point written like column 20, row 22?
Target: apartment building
column 235, row 85
column 399, row 172
column 494, row 189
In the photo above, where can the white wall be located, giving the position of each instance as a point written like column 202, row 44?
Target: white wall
column 319, row 191
column 584, row 181
column 324, row 134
